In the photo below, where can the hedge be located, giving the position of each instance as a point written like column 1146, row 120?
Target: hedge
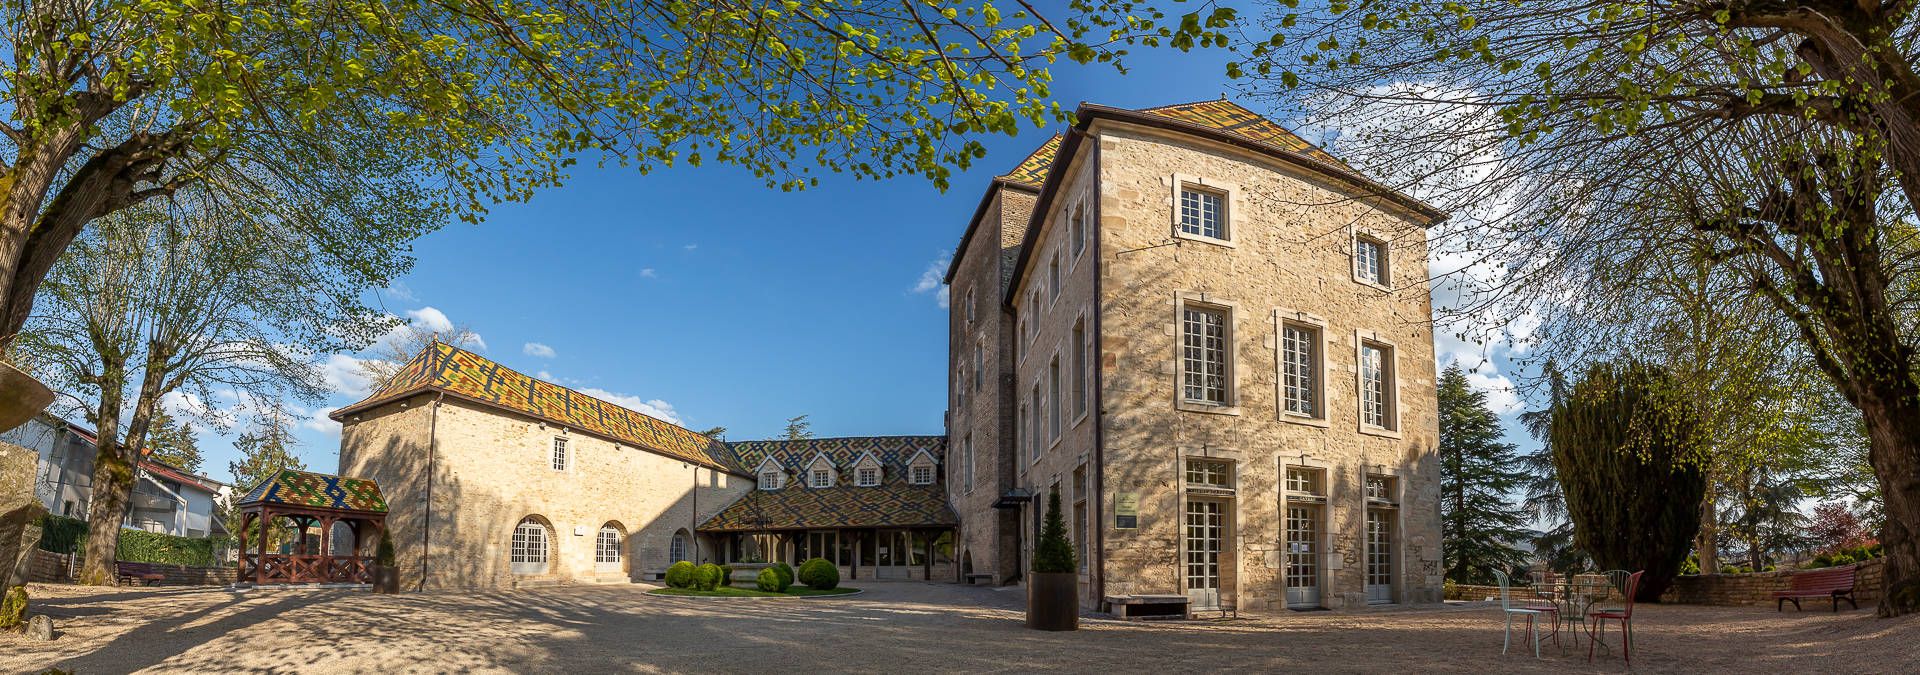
column 60, row 534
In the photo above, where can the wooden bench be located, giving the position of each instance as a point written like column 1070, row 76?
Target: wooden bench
column 1149, row 606
column 1832, row 584
column 134, row 572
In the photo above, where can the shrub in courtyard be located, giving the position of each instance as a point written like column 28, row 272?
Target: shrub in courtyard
column 13, row 608
column 819, row 574
column 680, row 575
column 707, row 577
column 786, row 574
column 769, row 581
column 1630, row 453
column 726, row 576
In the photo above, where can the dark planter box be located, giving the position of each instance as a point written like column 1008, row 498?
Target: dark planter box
column 1053, row 601
column 386, row 579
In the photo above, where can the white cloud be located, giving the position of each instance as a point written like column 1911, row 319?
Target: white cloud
column 400, row 291
column 318, row 421
column 933, row 279
column 648, row 272
column 201, row 415
column 537, row 349
column 1502, row 397
column 654, row 407
column 346, row 375
column 431, row 319
column 690, row 247
column 428, row 319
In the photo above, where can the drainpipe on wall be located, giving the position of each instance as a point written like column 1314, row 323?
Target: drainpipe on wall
column 1098, row 568
column 426, row 530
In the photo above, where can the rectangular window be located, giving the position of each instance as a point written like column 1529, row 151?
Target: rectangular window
column 960, row 388
column 1203, row 213
column 1080, row 384
column 1040, row 410
column 1203, row 355
column 1305, row 482
column 971, row 307
column 1053, row 278
column 769, row 480
column 1080, row 538
column 923, row 474
column 1053, row 395
column 1078, row 228
column 979, row 361
column 1370, row 260
column 1210, row 473
column 1376, row 382
column 559, row 454
column 1300, row 369
column 867, row 476
column 966, row 448
column 1380, row 489
column 822, row 478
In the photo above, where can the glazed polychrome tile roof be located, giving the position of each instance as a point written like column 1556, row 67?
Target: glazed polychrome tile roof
column 1032, row 171
column 893, row 452
column 443, row 367
column 317, row 490
column 1222, row 115
column 893, row 503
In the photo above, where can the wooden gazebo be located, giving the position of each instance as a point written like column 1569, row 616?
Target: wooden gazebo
column 309, row 499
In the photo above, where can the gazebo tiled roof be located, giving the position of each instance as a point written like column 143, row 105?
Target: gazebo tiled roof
column 445, row 368
column 292, row 487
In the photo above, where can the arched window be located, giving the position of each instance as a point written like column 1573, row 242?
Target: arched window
column 677, row 549
column 606, row 549
column 530, row 547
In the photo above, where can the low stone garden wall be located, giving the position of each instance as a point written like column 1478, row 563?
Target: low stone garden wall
column 60, row 568
column 1758, row 588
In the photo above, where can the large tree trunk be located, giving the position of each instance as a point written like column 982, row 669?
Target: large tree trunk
column 1704, row 543
column 112, row 490
column 1893, row 435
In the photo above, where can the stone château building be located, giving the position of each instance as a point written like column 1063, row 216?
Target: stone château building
column 1209, row 336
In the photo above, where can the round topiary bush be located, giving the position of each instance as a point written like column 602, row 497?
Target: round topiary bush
column 726, row 576
column 769, row 581
column 786, row 574
column 707, row 577
column 819, row 574
column 680, row 575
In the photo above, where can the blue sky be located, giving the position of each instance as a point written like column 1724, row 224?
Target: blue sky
column 700, row 293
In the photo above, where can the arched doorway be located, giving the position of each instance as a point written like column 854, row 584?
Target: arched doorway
column 532, row 546
column 609, row 549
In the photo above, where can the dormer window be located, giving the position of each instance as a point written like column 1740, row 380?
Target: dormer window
column 867, row 477
column 922, row 466
column 922, row 475
column 772, row 476
column 820, row 478
column 769, row 480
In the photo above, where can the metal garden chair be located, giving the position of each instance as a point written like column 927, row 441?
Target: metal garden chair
column 1624, row 616
column 1531, row 612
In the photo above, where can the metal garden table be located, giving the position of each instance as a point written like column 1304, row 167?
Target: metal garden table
column 1578, row 593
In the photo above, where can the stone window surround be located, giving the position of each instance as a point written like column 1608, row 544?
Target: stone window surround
column 1386, row 256
column 1230, row 200
column 1054, row 379
column 1234, row 317
column 1396, row 521
column 1329, row 561
column 1085, row 379
column 1281, row 317
column 868, row 461
column 1081, row 209
column 562, row 457
column 1324, row 468
column 814, row 467
column 769, row 466
column 1360, row 337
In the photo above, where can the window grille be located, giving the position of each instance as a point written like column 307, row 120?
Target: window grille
column 1370, row 260
column 559, row 454
column 1210, row 473
column 1201, row 213
column 1203, row 355
column 1300, row 371
column 1374, row 403
column 769, row 480
column 923, row 475
column 822, row 478
column 529, row 547
column 868, row 476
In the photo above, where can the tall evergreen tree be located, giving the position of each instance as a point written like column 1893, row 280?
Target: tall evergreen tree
column 172, row 442
column 264, row 449
column 798, row 429
column 1477, row 472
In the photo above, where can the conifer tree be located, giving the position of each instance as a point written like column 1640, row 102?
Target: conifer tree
column 1053, row 553
column 1477, row 472
column 172, row 442
column 264, row 449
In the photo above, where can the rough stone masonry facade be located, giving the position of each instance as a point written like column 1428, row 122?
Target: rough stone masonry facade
column 491, row 469
column 1097, row 307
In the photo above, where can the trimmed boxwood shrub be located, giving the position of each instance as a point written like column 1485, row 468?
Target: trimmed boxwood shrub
column 726, row 576
column 680, row 575
column 786, row 574
column 769, row 581
column 707, row 577
column 819, row 574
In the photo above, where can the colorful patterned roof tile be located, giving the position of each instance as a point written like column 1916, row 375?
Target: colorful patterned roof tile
column 318, row 491
column 443, row 367
column 895, row 503
column 1230, row 117
column 1032, row 171
column 894, row 452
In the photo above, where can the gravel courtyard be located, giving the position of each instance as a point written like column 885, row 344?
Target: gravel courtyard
column 892, row 627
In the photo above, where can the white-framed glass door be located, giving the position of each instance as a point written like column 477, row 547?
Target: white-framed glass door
column 1206, row 532
column 1303, row 556
column 1379, row 556
column 606, row 552
column 892, row 554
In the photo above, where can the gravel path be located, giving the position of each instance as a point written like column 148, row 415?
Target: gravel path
column 893, row 627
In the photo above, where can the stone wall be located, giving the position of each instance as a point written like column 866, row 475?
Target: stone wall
column 59, row 568
column 1757, row 588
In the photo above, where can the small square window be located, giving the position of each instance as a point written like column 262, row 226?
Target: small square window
column 822, row 478
column 769, row 480
column 867, row 476
column 1203, row 213
column 1380, row 489
column 1304, row 482
column 1210, row 473
column 559, row 454
column 923, row 474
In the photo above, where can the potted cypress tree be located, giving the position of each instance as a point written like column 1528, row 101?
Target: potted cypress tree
column 1053, row 589
column 386, row 575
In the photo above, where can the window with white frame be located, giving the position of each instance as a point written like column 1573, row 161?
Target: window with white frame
column 1304, row 482
column 1077, row 228
column 770, row 479
column 867, row 476
column 1380, row 489
column 820, row 478
column 1376, row 385
column 1203, row 212
column 1300, row 369
column 1203, row 354
column 530, row 547
column 1053, row 277
column 1210, row 473
column 922, row 474
column 1053, row 392
column 606, row 548
column 559, row 454
column 1370, row 259
column 677, row 548
column 1080, row 384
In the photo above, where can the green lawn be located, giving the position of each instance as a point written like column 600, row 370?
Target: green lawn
column 739, row 592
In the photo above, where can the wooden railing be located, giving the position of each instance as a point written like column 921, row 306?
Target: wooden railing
column 281, row 568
